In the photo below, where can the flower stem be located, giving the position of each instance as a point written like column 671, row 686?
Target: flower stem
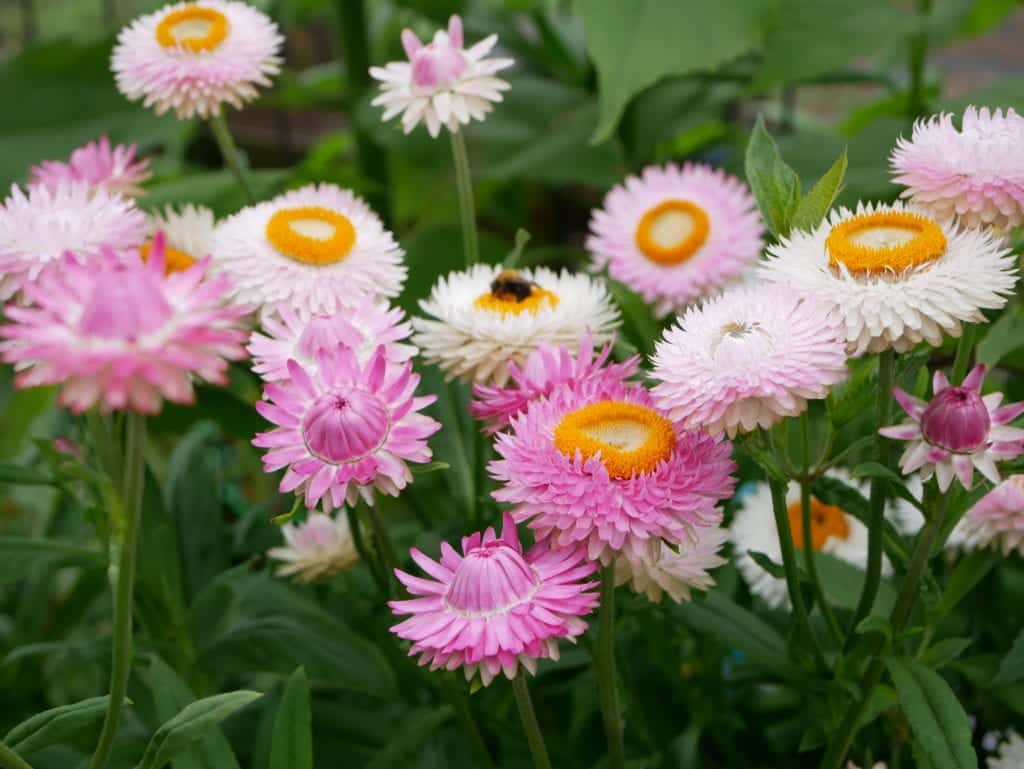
column 384, row 545
column 459, row 701
column 371, row 563
column 11, row 760
column 124, row 544
column 467, row 210
column 604, row 668
column 963, row 353
column 530, row 725
column 879, row 488
column 229, row 152
column 918, row 59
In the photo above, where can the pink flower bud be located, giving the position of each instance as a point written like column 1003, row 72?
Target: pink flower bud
column 345, row 425
column 956, row 420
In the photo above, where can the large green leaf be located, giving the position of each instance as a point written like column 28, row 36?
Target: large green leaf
column 1002, row 337
column 634, row 44
column 19, row 554
column 292, row 747
column 1011, row 669
column 937, row 720
column 842, row 583
column 775, row 185
column 815, row 205
column 55, row 726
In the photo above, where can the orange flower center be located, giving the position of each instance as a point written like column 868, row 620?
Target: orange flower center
column 885, row 241
column 827, row 521
column 193, row 29
column 174, row 260
column 630, row 438
column 511, row 294
column 672, row 231
column 311, row 234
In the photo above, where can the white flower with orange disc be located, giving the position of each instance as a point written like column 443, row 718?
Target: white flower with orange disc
column 189, row 232
column 192, row 57
column 485, row 317
column 896, row 276
column 314, row 249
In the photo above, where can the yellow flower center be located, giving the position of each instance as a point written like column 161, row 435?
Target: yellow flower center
column 827, row 521
column 511, row 294
column 174, row 260
column 631, row 439
column 193, row 29
column 672, row 231
column 885, row 241
column 311, row 234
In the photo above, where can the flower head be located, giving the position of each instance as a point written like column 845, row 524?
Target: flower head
column 345, row 428
column 485, row 318
column 38, row 227
column 957, row 431
column 189, row 232
column 192, row 57
column 603, row 466
column 97, row 164
column 996, row 520
column 675, row 234
column 314, row 249
column 747, row 359
column 120, row 333
column 546, row 369
column 896, row 277
column 363, row 327
column 317, row 548
column 443, row 83
column 974, row 174
column 494, row 607
column 675, row 569
column 1011, row 753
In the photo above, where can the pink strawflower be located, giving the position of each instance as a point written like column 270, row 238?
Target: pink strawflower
column 192, row 57
column 38, row 227
column 116, row 332
column 675, row 234
column 443, row 83
column 996, row 520
column 957, row 431
column 547, row 369
column 975, row 173
column 748, row 359
column 345, row 428
column 97, row 164
column 604, row 467
column 675, row 569
column 363, row 327
column 494, row 607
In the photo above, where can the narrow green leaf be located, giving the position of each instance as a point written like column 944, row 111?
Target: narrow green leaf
column 55, row 726
column 875, row 623
column 775, row 185
column 815, row 205
column 25, row 476
column 417, row 727
column 774, row 569
column 429, row 468
column 19, row 554
column 292, row 747
column 937, row 720
column 945, row 651
column 1011, row 669
column 969, row 572
column 1003, row 337
column 641, row 328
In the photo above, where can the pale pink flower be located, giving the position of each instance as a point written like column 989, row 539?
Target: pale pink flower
column 494, row 607
column 118, row 333
column 996, row 520
column 443, row 83
column 317, row 548
column 675, row 569
column 192, row 57
column 97, row 164
column 975, row 173
column 606, row 468
column 748, row 359
column 958, row 431
column 675, row 234
column 345, row 428
column 547, row 369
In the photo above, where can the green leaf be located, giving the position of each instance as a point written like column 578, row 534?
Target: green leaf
column 25, row 476
column 945, row 651
column 771, row 567
column 20, row 554
column 815, row 205
column 842, row 583
column 1003, row 337
column 417, row 727
column 191, row 725
column 634, row 44
column 875, row 623
column 292, row 747
column 55, row 726
column 1011, row 669
column 775, row 185
column 937, row 720
column 641, row 328
column 969, row 572
column 430, row 467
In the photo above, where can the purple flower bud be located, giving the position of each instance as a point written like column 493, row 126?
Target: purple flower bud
column 956, row 420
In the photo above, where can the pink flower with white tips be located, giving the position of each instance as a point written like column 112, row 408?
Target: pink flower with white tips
column 547, row 369
column 363, row 327
column 345, row 428
column 98, row 164
column 442, row 84
column 958, row 431
column 117, row 332
column 494, row 607
column 996, row 520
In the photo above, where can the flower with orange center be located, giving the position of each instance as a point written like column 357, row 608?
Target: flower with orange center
column 827, row 521
column 510, row 293
column 189, row 233
column 672, row 231
column 311, row 234
column 193, row 28
column 885, row 241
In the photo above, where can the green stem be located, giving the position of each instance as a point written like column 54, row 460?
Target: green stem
column 11, row 760
column 229, row 152
column 530, row 725
column 879, row 488
column 384, row 545
column 963, row 353
column 918, row 59
column 371, row 563
column 781, row 511
column 123, row 580
column 467, row 210
column 604, row 669
column 460, row 703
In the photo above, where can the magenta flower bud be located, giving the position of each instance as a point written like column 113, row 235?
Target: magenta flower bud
column 437, row 65
column 956, row 420
column 345, row 426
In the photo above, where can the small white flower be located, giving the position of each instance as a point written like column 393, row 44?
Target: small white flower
column 319, row 547
column 675, row 569
column 1011, row 753
column 189, row 232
